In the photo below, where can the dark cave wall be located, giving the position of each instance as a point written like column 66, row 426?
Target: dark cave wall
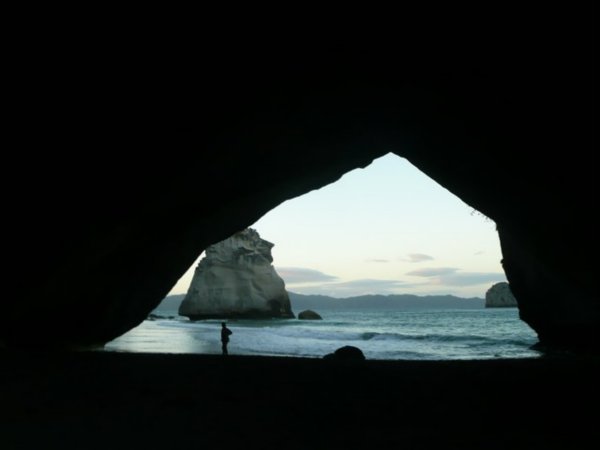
column 113, row 215
column 104, row 262
column 556, row 296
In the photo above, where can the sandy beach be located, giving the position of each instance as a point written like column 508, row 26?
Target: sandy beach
column 92, row 400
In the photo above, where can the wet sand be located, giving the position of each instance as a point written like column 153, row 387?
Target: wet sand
column 97, row 400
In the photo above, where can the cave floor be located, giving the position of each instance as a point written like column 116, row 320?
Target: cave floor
column 92, row 400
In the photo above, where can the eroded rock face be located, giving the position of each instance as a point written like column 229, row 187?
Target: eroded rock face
column 237, row 279
column 500, row 296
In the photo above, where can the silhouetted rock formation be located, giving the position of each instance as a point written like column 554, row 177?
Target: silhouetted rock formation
column 500, row 296
column 309, row 314
column 237, row 279
column 346, row 353
column 502, row 120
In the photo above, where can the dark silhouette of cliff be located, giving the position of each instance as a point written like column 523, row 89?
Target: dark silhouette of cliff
column 385, row 302
column 496, row 109
column 110, row 137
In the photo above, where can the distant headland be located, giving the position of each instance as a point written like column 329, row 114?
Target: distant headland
column 300, row 302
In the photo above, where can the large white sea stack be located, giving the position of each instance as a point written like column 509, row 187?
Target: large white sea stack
column 237, row 279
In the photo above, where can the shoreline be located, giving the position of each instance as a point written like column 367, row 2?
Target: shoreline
column 118, row 400
column 456, row 334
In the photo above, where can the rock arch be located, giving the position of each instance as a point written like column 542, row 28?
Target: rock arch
column 113, row 216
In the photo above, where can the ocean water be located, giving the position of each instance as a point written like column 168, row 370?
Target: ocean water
column 414, row 335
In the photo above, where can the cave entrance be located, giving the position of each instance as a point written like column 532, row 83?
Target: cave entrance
column 394, row 263
column 384, row 229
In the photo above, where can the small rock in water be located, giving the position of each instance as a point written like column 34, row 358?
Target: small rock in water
column 309, row 314
column 500, row 296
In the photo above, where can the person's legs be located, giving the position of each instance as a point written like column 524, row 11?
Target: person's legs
column 224, row 348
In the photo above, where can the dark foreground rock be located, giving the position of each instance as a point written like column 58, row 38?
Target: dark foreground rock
column 346, row 353
column 309, row 314
column 128, row 401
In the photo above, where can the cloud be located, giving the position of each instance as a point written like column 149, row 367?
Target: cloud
column 293, row 275
column 472, row 278
column 480, row 252
column 367, row 283
column 451, row 276
column 432, row 271
column 378, row 260
column 417, row 257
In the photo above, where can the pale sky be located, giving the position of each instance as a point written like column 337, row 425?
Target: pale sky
column 385, row 229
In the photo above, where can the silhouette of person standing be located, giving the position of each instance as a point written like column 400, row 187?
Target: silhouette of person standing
column 225, row 332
